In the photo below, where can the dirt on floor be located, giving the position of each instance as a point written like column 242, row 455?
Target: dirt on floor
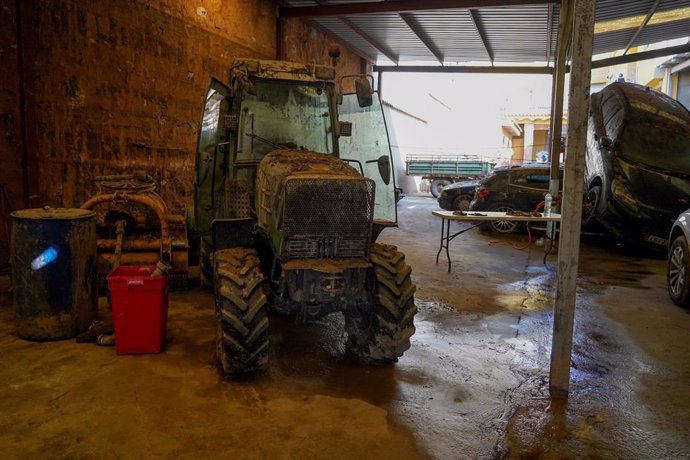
column 473, row 385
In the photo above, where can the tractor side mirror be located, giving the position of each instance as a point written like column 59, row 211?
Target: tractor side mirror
column 384, row 164
column 363, row 91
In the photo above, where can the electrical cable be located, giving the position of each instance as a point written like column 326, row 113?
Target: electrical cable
column 529, row 236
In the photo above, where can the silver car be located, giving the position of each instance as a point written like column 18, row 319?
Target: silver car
column 678, row 269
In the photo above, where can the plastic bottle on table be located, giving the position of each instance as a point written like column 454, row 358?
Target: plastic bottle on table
column 547, row 204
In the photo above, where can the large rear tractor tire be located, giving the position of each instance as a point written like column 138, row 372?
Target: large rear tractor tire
column 242, row 338
column 384, row 335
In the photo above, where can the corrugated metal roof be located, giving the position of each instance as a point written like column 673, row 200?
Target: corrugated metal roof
column 453, row 33
column 512, row 34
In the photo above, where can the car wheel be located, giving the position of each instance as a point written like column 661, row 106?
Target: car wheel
column 677, row 273
column 462, row 203
column 503, row 226
column 590, row 204
column 437, row 185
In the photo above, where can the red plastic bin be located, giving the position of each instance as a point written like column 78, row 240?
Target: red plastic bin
column 140, row 309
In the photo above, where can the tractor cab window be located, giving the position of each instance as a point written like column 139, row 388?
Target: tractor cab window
column 209, row 164
column 368, row 151
column 285, row 115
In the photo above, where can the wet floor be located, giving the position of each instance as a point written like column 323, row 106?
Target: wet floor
column 473, row 385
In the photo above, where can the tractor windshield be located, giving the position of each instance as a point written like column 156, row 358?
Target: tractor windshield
column 284, row 114
column 369, row 150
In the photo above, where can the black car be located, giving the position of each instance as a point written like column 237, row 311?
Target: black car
column 637, row 175
column 457, row 196
column 510, row 188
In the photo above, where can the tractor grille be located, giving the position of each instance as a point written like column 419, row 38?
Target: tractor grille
column 327, row 218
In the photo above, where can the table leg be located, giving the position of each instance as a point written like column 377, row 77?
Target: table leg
column 440, row 248
column 448, row 244
column 550, row 239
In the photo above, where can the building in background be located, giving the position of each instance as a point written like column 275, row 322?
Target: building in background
column 667, row 75
column 527, row 134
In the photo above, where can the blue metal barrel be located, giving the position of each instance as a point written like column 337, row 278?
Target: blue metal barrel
column 54, row 272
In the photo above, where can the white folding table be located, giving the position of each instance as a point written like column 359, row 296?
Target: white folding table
column 471, row 216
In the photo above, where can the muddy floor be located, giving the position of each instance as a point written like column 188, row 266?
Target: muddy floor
column 473, row 385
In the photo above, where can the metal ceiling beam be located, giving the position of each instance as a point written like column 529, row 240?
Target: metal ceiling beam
column 372, row 41
column 482, row 36
column 400, row 6
column 465, row 69
column 671, row 50
column 642, row 26
column 422, row 36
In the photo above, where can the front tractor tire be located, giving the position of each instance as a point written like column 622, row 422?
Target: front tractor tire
column 242, row 337
column 382, row 336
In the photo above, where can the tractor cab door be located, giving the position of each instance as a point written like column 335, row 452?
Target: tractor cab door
column 368, row 150
column 210, row 158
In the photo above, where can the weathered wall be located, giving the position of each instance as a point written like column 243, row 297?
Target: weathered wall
column 10, row 134
column 119, row 85
column 301, row 43
column 11, row 183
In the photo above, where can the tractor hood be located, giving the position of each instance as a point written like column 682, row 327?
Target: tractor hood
column 313, row 205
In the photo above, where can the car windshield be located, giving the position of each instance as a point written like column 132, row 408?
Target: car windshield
column 657, row 138
column 285, row 115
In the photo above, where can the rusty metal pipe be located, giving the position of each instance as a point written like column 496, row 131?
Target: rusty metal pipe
column 176, row 219
column 120, row 226
column 155, row 204
column 135, row 245
column 138, row 245
column 172, row 219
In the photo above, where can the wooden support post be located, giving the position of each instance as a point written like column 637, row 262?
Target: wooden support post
column 557, row 93
column 571, row 215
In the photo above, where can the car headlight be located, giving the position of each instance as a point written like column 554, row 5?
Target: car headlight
column 624, row 196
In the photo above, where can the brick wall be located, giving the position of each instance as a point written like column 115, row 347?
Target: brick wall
column 10, row 129
column 119, row 84
column 11, row 182
column 305, row 44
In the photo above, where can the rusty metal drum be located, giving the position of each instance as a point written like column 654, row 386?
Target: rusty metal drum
column 54, row 272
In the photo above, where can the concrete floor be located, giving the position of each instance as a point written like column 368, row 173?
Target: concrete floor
column 473, row 385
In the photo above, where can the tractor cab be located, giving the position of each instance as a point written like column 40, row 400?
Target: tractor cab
column 272, row 105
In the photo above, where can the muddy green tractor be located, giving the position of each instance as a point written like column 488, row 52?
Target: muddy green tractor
column 294, row 184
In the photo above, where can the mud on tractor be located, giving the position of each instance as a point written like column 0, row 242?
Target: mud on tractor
column 294, row 184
